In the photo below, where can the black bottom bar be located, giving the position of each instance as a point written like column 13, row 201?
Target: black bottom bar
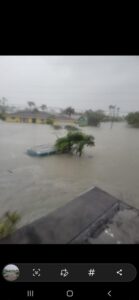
column 70, row 291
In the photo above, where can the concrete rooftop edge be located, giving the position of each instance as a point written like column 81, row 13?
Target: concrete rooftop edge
column 67, row 222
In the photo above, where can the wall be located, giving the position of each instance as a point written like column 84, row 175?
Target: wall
column 15, row 120
column 20, row 120
column 39, row 121
column 63, row 122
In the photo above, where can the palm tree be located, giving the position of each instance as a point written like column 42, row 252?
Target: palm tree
column 74, row 142
column 110, row 110
column 69, row 111
column 43, row 107
column 3, row 104
column 118, row 110
column 31, row 104
column 114, row 110
column 87, row 140
column 4, row 100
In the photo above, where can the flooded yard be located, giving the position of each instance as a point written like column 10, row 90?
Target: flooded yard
column 36, row 186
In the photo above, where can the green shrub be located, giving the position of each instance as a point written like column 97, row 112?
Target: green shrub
column 50, row 121
column 74, row 142
column 71, row 128
column 57, row 127
column 133, row 119
column 8, row 223
column 2, row 116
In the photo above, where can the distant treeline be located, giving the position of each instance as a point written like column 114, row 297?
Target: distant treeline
column 133, row 119
column 94, row 118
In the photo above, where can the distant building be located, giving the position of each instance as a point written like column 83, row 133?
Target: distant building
column 27, row 117
column 63, row 119
column 83, row 121
column 38, row 117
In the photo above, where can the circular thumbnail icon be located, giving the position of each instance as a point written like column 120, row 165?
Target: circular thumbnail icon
column 10, row 272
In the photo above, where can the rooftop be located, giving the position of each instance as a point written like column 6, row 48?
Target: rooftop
column 41, row 114
column 81, row 221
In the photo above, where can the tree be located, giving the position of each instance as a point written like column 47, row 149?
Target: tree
column 43, row 107
column 74, row 142
column 112, row 114
column 71, row 127
column 50, row 121
column 2, row 117
column 3, row 108
column 69, row 111
column 100, row 113
column 3, row 105
column 133, row 119
column 118, row 111
column 110, row 110
column 31, row 104
column 35, row 110
column 94, row 117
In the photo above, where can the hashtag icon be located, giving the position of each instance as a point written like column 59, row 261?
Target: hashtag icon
column 91, row 272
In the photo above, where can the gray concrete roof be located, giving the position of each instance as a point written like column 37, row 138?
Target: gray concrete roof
column 68, row 222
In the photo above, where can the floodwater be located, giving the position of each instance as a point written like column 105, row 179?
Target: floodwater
column 36, row 186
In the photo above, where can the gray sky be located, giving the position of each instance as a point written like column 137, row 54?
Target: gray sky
column 80, row 81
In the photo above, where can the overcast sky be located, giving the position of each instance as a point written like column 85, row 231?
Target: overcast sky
column 80, row 81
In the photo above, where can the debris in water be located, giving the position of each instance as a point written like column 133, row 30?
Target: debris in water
column 10, row 171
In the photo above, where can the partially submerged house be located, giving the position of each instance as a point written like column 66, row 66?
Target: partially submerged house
column 83, row 121
column 39, row 117
column 27, row 117
column 62, row 119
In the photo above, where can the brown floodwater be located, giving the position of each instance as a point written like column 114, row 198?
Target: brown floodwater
column 36, row 186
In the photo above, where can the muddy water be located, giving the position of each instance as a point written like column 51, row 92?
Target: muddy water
column 37, row 186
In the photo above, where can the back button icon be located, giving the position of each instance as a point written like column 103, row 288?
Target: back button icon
column 109, row 293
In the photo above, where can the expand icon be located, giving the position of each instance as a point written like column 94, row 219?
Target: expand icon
column 36, row 272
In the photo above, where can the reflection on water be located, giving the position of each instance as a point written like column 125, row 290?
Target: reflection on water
column 36, row 186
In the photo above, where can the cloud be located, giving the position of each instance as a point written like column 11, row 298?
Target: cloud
column 81, row 81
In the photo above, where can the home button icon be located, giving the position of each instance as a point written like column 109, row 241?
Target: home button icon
column 69, row 293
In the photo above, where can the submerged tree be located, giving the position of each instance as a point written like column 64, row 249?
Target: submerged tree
column 94, row 117
column 43, row 107
column 74, row 142
column 133, row 119
column 71, row 128
column 69, row 111
column 50, row 121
